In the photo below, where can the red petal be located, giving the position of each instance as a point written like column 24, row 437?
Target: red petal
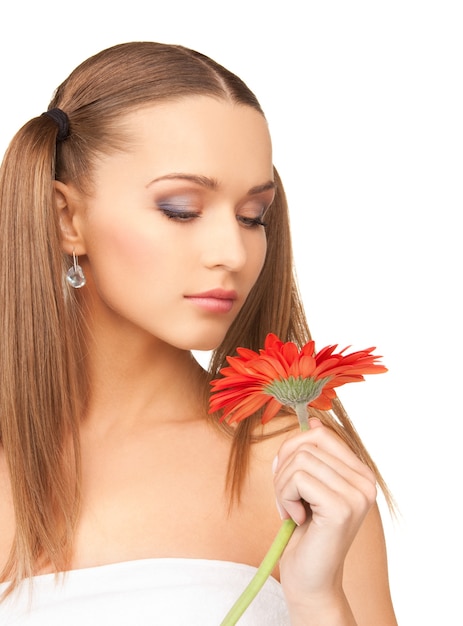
column 271, row 410
column 307, row 365
column 246, row 353
column 308, row 349
column 272, row 341
column 289, row 352
column 246, row 409
column 323, row 403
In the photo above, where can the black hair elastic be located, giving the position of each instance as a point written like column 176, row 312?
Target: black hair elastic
column 62, row 121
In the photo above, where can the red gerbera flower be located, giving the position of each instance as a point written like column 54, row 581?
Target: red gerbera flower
column 281, row 374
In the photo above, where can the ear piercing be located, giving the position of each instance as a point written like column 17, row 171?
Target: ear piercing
column 75, row 274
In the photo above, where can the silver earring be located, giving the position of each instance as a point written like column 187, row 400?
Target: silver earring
column 75, row 274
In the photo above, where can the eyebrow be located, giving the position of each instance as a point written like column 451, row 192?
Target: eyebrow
column 210, row 183
column 261, row 188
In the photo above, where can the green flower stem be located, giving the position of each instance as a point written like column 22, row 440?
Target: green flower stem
column 275, row 551
column 302, row 415
column 265, row 569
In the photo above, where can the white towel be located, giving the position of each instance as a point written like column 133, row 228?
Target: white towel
column 154, row 592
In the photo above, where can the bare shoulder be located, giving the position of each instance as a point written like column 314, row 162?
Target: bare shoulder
column 271, row 436
column 366, row 581
column 6, row 511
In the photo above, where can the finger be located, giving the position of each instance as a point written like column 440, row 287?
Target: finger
column 326, row 439
column 324, row 482
column 305, row 455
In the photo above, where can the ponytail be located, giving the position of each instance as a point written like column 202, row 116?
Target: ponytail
column 38, row 361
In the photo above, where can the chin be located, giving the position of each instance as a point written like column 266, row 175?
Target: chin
column 204, row 346
column 201, row 341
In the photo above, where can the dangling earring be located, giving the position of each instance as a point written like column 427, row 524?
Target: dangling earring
column 75, row 274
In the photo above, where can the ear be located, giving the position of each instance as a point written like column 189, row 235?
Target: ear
column 70, row 207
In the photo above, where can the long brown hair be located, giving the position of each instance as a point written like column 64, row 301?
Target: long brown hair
column 43, row 388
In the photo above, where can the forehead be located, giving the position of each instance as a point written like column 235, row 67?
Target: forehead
column 200, row 134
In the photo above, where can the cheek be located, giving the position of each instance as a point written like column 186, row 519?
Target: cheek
column 258, row 256
column 127, row 256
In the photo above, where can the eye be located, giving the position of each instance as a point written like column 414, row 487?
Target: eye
column 251, row 215
column 251, row 222
column 179, row 216
column 179, row 210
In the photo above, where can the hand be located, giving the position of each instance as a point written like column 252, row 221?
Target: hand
column 328, row 491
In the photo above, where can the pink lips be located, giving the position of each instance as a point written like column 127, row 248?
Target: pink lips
column 214, row 301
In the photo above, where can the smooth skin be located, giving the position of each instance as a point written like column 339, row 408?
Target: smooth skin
column 178, row 214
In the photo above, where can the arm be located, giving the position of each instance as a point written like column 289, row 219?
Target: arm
column 365, row 579
column 334, row 569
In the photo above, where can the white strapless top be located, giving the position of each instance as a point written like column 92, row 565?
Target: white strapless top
column 154, row 592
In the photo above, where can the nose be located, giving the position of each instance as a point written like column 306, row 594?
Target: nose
column 223, row 244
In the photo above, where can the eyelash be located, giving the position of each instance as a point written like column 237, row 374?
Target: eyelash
column 181, row 216
column 252, row 222
column 186, row 216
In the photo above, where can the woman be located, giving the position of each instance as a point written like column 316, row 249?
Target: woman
column 149, row 185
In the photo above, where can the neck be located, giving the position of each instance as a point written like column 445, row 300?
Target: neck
column 134, row 377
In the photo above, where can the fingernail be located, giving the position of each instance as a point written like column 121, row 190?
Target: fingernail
column 281, row 512
column 275, row 464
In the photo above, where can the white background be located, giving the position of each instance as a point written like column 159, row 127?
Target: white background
column 364, row 101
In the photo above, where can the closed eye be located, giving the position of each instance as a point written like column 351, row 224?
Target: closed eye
column 179, row 209
column 251, row 222
column 180, row 216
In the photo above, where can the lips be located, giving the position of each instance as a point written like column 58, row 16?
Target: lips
column 214, row 301
column 219, row 294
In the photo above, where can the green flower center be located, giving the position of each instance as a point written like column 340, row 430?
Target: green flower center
column 292, row 391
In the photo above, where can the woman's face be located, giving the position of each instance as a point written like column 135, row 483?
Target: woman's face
column 173, row 233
